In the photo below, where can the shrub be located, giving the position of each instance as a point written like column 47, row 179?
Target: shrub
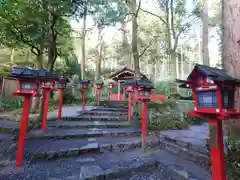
column 233, row 159
column 10, row 105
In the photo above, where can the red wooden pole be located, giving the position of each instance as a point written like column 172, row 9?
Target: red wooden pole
column 110, row 93
column 217, row 150
column 129, row 105
column 45, row 111
column 144, row 125
column 23, row 131
column 134, row 97
column 124, row 90
column 83, row 99
column 99, row 94
column 60, row 104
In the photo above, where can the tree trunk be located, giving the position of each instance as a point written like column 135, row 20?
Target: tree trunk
column 135, row 39
column 126, row 55
column 12, row 55
column 100, row 47
column 173, row 66
column 35, row 103
column 231, row 50
column 205, row 52
column 83, row 43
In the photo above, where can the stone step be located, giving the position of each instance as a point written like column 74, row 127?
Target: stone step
column 88, row 124
column 202, row 159
column 115, row 109
column 7, row 147
column 64, row 148
column 86, row 117
column 9, row 127
column 155, row 164
column 112, row 113
column 58, row 133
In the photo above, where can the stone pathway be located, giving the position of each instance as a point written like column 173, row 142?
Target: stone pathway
column 59, row 133
column 87, row 124
column 98, row 144
column 195, row 137
column 157, row 164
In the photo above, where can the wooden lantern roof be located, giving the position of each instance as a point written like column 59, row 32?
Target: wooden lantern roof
column 215, row 74
column 123, row 74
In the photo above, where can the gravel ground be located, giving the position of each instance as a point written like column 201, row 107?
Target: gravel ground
column 158, row 172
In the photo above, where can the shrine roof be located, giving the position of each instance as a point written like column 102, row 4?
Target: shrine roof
column 215, row 74
column 124, row 73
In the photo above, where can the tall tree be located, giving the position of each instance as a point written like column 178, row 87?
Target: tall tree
column 100, row 52
column 176, row 20
column 105, row 14
column 125, row 46
column 230, row 44
column 134, row 14
column 205, row 21
column 83, row 35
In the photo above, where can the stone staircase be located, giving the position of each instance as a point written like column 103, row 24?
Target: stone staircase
column 97, row 131
column 97, row 144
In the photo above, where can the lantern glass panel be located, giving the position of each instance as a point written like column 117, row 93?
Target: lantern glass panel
column 26, row 86
column 207, row 99
column 227, row 100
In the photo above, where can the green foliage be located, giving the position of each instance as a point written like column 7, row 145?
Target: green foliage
column 233, row 159
column 68, row 65
column 10, row 105
column 107, row 13
column 171, row 114
column 28, row 23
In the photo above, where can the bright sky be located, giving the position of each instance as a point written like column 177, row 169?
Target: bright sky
column 111, row 33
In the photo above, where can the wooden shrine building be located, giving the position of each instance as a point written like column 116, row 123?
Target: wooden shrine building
column 121, row 75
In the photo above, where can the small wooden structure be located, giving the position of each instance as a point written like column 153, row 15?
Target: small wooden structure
column 121, row 75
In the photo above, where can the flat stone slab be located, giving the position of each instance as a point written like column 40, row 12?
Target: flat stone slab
column 51, row 149
column 195, row 137
column 96, row 117
column 87, row 124
column 9, row 126
column 116, row 113
column 69, row 111
column 7, row 145
column 57, row 133
column 109, row 109
column 157, row 164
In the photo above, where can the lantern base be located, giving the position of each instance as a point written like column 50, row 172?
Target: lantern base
column 144, row 99
column 219, row 116
column 25, row 94
column 47, row 88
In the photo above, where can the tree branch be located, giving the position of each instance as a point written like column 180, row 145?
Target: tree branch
column 139, row 6
column 172, row 19
column 143, row 10
column 20, row 36
column 146, row 48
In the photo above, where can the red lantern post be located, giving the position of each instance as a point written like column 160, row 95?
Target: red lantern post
column 84, row 86
column 110, row 86
column 99, row 85
column 213, row 92
column 27, row 87
column 144, row 98
column 47, row 86
column 129, row 90
column 62, row 84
